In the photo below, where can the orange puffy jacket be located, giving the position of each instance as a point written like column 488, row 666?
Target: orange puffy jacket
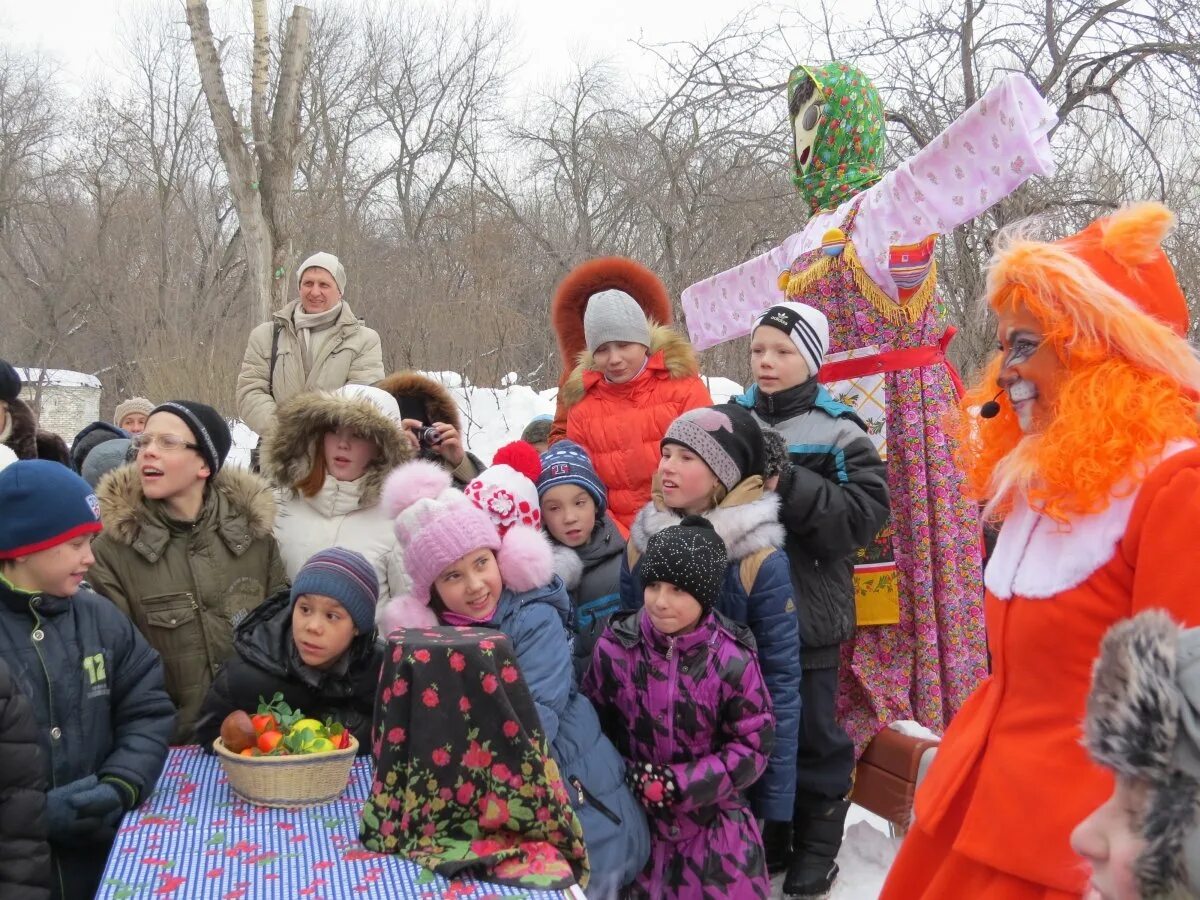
column 621, row 425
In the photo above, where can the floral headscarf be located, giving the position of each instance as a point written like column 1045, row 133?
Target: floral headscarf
column 847, row 151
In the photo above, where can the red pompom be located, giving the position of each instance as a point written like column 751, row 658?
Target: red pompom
column 522, row 456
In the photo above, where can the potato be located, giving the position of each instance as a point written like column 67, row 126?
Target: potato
column 237, row 731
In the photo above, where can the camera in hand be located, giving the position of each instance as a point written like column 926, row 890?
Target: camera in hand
column 428, row 437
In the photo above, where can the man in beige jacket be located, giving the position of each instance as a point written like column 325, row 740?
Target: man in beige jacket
column 313, row 343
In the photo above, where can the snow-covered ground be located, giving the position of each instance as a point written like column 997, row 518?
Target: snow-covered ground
column 494, row 416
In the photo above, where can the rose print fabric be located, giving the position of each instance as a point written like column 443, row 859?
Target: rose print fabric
column 464, row 781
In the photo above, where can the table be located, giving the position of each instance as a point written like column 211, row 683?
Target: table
column 194, row 839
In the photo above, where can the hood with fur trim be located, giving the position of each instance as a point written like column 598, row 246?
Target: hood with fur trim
column 1143, row 722
column 747, row 520
column 679, row 359
column 245, row 507
column 602, row 274
column 288, row 449
column 408, row 386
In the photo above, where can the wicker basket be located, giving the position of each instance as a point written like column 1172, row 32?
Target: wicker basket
column 285, row 781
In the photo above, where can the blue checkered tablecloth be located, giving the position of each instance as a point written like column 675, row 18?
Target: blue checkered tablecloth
column 193, row 838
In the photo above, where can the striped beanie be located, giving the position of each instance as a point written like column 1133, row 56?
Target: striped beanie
column 568, row 463
column 807, row 327
column 346, row 577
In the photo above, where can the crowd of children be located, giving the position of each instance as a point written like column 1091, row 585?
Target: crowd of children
column 673, row 579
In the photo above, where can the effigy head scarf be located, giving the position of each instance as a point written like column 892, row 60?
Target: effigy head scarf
column 838, row 133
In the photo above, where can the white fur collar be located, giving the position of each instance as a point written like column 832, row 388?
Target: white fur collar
column 567, row 565
column 1036, row 558
column 745, row 529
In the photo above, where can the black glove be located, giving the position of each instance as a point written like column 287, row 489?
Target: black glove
column 653, row 784
column 66, row 824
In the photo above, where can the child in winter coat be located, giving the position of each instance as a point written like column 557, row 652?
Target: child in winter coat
column 712, row 460
column 587, row 545
column 96, row 687
column 1144, row 841
column 632, row 380
column 833, row 500
column 327, row 456
column 469, row 568
column 678, row 661
column 315, row 644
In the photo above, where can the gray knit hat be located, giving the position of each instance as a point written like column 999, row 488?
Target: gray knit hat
column 329, row 263
column 132, row 405
column 1143, row 722
column 614, row 316
column 103, row 458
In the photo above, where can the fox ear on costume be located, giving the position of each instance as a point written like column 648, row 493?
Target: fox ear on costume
column 1133, row 235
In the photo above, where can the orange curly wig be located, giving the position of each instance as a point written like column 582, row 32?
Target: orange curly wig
column 1112, row 311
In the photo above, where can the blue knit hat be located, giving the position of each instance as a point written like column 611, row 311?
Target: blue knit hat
column 345, row 576
column 568, row 463
column 43, row 504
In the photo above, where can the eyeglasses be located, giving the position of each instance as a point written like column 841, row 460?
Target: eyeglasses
column 168, row 443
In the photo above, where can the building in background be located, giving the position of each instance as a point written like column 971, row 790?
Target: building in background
column 63, row 401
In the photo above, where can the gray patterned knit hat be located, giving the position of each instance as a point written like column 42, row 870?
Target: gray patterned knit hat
column 726, row 437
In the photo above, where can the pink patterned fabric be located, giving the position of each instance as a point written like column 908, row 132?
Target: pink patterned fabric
column 989, row 151
column 926, row 665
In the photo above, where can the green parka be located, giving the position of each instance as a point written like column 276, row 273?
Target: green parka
column 187, row 585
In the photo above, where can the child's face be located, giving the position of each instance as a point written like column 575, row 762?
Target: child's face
column 1111, row 840
column 58, row 570
column 687, row 481
column 321, row 629
column 776, row 363
column 620, row 360
column 671, row 609
column 347, row 454
column 167, row 473
column 569, row 514
column 134, row 423
column 471, row 586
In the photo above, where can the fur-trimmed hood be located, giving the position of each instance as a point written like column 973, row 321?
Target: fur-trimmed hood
column 238, row 504
column 602, row 274
column 747, row 520
column 678, row 361
column 438, row 403
column 1143, row 722
column 288, row 449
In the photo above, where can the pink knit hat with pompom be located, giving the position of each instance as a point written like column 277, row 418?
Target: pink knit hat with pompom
column 438, row 525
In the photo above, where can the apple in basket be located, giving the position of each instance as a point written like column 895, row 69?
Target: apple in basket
column 279, row 730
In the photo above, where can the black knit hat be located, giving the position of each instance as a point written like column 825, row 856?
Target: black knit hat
column 10, row 382
column 725, row 436
column 207, row 425
column 691, row 556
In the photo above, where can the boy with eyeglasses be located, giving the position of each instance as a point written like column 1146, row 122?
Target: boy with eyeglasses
column 187, row 550
column 96, row 740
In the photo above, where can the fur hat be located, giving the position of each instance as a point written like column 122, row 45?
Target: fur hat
column 329, row 263
column 613, row 315
column 1143, row 722
column 10, row 383
column 807, row 327
column 505, row 490
column 132, row 405
column 725, row 436
column 775, row 453
column 691, row 556
column 437, row 525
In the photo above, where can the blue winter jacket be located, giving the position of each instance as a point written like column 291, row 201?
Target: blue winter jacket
column 614, row 824
column 748, row 521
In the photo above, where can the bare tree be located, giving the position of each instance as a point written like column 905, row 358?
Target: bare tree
column 261, row 171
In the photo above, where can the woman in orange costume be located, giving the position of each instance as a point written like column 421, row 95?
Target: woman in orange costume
column 1092, row 461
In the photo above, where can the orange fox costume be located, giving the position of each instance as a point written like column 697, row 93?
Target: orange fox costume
column 1101, row 509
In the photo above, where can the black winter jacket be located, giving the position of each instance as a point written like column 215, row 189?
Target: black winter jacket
column 265, row 661
column 101, row 706
column 833, row 501
column 592, row 575
column 24, row 847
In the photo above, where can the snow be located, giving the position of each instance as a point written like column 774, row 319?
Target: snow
column 58, row 377
column 866, row 855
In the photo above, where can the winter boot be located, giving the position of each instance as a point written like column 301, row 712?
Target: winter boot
column 816, row 840
column 777, row 842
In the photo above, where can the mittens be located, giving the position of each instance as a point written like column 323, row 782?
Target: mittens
column 99, row 801
column 653, row 784
column 63, row 817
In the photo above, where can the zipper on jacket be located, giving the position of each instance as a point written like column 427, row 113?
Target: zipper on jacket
column 589, row 797
column 670, row 647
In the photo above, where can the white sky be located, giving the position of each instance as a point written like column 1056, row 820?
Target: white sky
column 82, row 35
